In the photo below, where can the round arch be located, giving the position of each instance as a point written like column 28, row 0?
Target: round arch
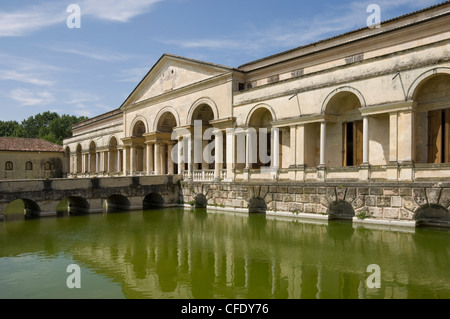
column 135, row 121
column 161, row 112
column 73, row 205
column 341, row 209
column 200, row 201
column 92, row 145
column 113, row 141
column 116, row 203
column 21, row 208
column 258, row 107
column 200, row 102
column 257, row 205
column 343, row 89
column 432, row 215
column 425, row 76
column 153, row 200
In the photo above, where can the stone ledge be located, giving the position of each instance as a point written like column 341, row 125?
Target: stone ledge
column 384, row 222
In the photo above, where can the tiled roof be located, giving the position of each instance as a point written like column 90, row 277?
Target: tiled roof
column 28, row 145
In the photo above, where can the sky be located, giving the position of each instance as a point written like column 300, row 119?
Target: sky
column 52, row 59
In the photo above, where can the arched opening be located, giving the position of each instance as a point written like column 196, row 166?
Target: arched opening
column 257, row 205
column 432, row 120
column 137, row 148
column 73, row 206
column 153, row 200
column 78, row 160
column 21, row 209
column 340, row 209
column 200, row 201
column 432, row 215
column 166, row 123
column 262, row 147
column 116, row 203
column 345, row 136
column 92, row 158
column 203, row 149
column 114, row 156
column 29, row 166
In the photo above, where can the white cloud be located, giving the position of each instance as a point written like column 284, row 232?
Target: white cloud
column 23, row 77
column 32, row 18
column 29, row 98
column 91, row 53
column 113, row 10
column 333, row 20
column 25, row 70
column 133, row 75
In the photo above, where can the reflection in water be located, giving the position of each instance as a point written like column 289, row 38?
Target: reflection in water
column 176, row 253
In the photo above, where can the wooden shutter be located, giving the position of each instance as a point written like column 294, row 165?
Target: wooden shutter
column 344, row 144
column 434, row 136
column 447, row 136
column 357, row 143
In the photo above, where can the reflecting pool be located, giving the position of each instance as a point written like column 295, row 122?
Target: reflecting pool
column 177, row 253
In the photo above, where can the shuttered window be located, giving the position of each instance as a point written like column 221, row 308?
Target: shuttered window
column 352, row 143
column 439, row 136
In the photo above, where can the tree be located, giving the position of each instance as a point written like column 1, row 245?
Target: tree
column 9, row 128
column 48, row 126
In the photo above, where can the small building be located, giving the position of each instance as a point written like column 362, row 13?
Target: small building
column 30, row 158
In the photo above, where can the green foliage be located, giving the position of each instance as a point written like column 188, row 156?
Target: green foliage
column 48, row 126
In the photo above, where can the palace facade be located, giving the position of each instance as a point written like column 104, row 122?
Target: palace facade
column 368, row 105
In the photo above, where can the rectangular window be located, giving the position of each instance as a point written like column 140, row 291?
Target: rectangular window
column 352, row 143
column 438, row 136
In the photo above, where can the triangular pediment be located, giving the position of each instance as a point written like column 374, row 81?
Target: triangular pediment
column 171, row 73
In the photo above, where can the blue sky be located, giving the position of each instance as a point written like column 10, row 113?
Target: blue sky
column 44, row 65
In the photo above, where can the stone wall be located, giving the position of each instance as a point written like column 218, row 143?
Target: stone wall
column 372, row 202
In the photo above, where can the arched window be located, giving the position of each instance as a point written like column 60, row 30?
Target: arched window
column 29, row 166
column 47, row 166
column 9, row 166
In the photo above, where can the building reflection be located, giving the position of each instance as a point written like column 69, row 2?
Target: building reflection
column 193, row 254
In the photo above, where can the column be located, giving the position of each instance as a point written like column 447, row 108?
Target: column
column 157, row 159
column 132, row 150
column 276, row 148
column 392, row 167
column 89, row 163
column 189, row 157
column 118, row 161
column 365, row 140
column 170, row 162
column 406, row 145
column 180, row 150
column 393, row 131
column 230, row 152
column 323, row 132
column 125, row 151
column 218, row 158
column 83, row 163
column 205, row 159
column 150, row 158
column 248, row 149
column 300, row 146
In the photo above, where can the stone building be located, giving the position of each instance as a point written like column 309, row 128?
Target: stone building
column 369, row 105
column 30, row 158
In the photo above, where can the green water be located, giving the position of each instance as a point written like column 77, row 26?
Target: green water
column 176, row 253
